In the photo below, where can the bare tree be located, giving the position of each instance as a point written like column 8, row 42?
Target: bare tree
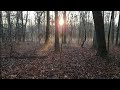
column 39, row 14
column 57, row 46
column 79, row 27
column 1, row 25
column 109, row 31
column 47, row 28
column 24, row 31
column 94, row 41
column 22, row 27
column 117, row 35
column 17, row 34
column 9, row 31
column 100, row 34
column 1, row 30
column 9, row 26
column 83, row 19
column 64, row 27
column 113, row 28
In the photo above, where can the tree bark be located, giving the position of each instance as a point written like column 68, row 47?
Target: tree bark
column 0, row 43
column 117, row 35
column 1, row 26
column 24, row 31
column 113, row 30
column 100, row 34
column 17, row 34
column 84, row 32
column 57, row 46
column 79, row 29
column 64, row 27
column 94, row 41
column 9, row 26
column 47, row 28
column 109, row 31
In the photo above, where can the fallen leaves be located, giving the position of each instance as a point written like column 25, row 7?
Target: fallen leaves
column 75, row 63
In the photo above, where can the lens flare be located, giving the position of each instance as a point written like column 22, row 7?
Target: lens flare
column 61, row 21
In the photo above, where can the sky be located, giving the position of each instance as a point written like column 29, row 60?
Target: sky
column 31, row 13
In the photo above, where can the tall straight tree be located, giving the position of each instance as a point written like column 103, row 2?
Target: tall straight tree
column 57, row 46
column 0, row 42
column 83, row 20
column 47, row 28
column 109, row 31
column 9, row 31
column 1, row 26
column 22, row 28
column 100, row 34
column 64, row 27
column 24, row 31
column 17, row 34
column 9, row 26
column 113, row 30
column 118, row 29
column 94, row 36
column 39, row 14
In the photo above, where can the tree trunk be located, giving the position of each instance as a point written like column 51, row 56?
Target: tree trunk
column 0, row 57
column 32, row 31
column 17, row 34
column 100, row 34
column 47, row 28
column 16, row 31
column 79, row 35
column 79, row 29
column 94, row 37
column 71, row 32
column 109, row 31
column 38, row 21
column 84, row 32
column 112, row 32
column 38, row 28
column 117, row 35
column 10, row 33
column 103, row 15
column 9, row 26
column 64, row 27
column 94, row 41
column 57, row 46
column 1, row 26
column 1, row 30
column 24, row 31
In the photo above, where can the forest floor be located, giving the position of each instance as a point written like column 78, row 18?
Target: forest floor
column 75, row 63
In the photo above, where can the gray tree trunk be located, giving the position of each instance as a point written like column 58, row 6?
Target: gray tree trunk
column 0, row 43
column 117, row 35
column 64, row 27
column 100, row 34
column 113, row 28
column 24, row 31
column 57, row 46
column 1, row 26
column 109, row 31
column 84, row 32
column 47, row 28
column 94, row 41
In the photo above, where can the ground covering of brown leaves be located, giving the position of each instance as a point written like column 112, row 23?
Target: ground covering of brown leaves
column 75, row 63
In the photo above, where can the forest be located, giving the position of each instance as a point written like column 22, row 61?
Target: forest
column 59, row 45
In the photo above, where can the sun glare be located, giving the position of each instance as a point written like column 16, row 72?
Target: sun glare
column 61, row 21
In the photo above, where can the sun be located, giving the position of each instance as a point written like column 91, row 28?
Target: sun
column 61, row 21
